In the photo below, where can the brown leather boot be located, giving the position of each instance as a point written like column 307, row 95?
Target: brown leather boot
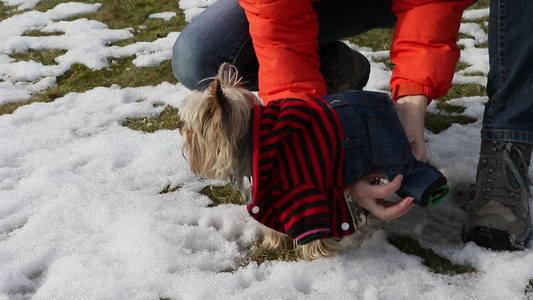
column 498, row 216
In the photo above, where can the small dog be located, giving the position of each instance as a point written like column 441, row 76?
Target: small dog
column 214, row 125
column 301, row 155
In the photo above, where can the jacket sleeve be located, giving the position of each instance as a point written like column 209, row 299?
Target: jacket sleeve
column 284, row 34
column 424, row 48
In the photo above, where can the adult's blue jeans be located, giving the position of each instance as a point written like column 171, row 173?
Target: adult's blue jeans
column 220, row 34
column 375, row 142
column 509, row 112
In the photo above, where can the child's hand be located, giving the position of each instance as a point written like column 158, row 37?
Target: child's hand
column 371, row 197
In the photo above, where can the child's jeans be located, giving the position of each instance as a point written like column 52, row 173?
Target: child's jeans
column 375, row 141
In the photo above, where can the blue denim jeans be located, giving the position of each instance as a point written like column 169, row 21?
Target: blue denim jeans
column 220, row 34
column 374, row 141
column 509, row 112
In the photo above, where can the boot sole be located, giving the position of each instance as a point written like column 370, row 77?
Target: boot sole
column 495, row 239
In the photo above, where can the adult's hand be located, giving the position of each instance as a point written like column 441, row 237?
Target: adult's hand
column 371, row 197
column 414, row 112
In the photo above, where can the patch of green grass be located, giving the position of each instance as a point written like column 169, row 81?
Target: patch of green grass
column 223, row 195
column 39, row 33
column 46, row 57
column 132, row 14
column 378, row 39
column 9, row 108
column 474, row 74
column 483, row 45
column 480, row 4
column 81, row 79
column 430, row 259
column 437, row 123
column 461, row 36
column 386, row 61
column 169, row 188
column 464, row 90
column 461, row 66
column 484, row 24
column 7, row 11
column 449, row 108
column 168, row 120
column 261, row 255
column 4, row 11
column 481, row 22
column 121, row 71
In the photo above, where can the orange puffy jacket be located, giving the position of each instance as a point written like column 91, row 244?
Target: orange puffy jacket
column 424, row 49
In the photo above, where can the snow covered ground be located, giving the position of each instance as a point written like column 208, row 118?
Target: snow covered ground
column 82, row 217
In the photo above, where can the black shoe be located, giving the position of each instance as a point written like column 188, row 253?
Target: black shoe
column 343, row 68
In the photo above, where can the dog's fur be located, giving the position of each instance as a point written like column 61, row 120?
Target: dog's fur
column 214, row 125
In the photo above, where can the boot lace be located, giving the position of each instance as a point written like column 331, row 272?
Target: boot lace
column 506, row 177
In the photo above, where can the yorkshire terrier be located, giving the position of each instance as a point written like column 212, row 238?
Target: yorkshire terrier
column 229, row 135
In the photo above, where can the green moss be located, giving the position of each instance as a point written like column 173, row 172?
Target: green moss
column 378, row 39
column 80, row 79
column 5, row 11
column 223, row 195
column 474, row 74
column 167, row 120
column 386, row 61
column 261, row 255
column 38, row 33
column 466, row 90
column 461, row 66
column 430, row 259
column 132, row 14
column 46, row 57
column 169, row 189
column 480, row 4
column 121, row 71
column 437, row 123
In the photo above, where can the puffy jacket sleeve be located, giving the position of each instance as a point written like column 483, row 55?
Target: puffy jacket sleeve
column 284, row 33
column 424, row 48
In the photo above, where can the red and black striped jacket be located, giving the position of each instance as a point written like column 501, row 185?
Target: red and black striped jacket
column 297, row 167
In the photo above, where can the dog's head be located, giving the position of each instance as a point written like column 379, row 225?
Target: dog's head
column 214, row 126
